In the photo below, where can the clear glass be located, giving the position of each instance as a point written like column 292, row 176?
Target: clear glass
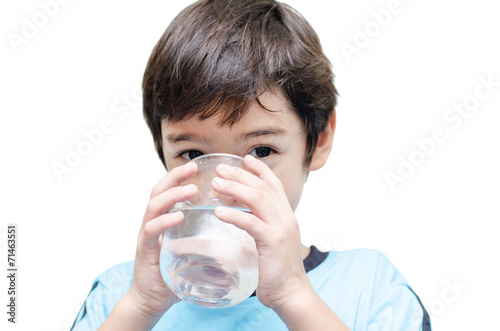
column 203, row 260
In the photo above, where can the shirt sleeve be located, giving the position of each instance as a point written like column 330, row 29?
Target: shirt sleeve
column 395, row 306
column 106, row 291
column 95, row 309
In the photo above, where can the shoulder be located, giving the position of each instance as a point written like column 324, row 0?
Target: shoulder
column 374, row 293
column 115, row 281
column 377, row 270
column 363, row 269
column 106, row 290
column 365, row 254
column 359, row 260
column 125, row 270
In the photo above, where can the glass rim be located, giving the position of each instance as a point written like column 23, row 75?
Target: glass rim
column 206, row 156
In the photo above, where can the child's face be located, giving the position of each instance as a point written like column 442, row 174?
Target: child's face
column 277, row 138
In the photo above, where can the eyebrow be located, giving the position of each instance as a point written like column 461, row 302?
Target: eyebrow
column 178, row 137
column 263, row 132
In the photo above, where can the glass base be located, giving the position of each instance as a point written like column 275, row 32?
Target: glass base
column 204, row 282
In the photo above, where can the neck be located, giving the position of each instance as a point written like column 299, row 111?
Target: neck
column 305, row 251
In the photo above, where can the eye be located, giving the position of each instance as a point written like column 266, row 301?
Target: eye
column 262, row 152
column 189, row 155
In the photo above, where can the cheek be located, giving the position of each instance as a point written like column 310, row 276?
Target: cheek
column 294, row 196
column 293, row 182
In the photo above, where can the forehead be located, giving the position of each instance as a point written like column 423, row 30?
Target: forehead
column 277, row 116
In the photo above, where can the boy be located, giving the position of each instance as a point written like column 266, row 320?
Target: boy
column 248, row 77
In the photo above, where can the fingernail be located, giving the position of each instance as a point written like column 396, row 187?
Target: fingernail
column 223, row 168
column 177, row 214
column 221, row 210
column 218, row 181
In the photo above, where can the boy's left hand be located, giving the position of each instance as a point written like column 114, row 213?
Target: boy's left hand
column 272, row 224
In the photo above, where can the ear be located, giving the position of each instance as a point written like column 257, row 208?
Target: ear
column 324, row 145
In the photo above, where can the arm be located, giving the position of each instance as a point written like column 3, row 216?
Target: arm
column 149, row 297
column 128, row 315
column 308, row 312
column 283, row 283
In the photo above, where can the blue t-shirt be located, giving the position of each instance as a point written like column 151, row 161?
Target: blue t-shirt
column 361, row 286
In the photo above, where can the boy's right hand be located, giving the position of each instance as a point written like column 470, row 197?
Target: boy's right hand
column 149, row 292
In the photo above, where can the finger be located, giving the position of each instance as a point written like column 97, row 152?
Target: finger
column 263, row 179
column 166, row 200
column 261, row 201
column 245, row 194
column 236, row 174
column 154, row 228
column 174, row 178
column 261, row 170
column 245, row 221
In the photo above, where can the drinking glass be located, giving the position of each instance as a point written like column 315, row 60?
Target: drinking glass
column 204, row 260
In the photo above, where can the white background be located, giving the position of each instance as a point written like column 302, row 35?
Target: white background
column 438, row 226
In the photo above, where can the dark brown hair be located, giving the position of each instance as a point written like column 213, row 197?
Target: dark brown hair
column 218, row 56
